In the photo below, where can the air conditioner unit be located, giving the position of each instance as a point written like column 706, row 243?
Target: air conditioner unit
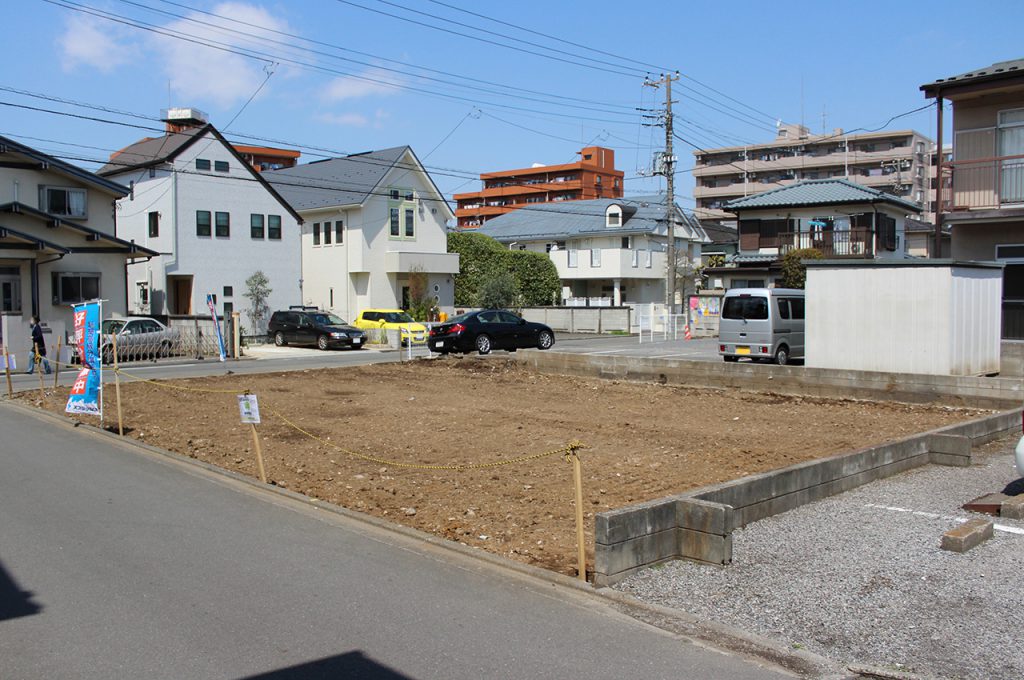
column 857, row 247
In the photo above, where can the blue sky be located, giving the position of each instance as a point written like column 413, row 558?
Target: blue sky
column 354, row 75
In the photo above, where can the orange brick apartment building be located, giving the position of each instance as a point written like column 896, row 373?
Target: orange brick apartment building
column 593, row 176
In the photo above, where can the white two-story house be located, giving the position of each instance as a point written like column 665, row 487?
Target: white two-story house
column 58, row 243
column 370, row 220
column 214, row 220
column 614, row 249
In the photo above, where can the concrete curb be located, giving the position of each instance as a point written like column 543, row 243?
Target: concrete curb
column 706, row 633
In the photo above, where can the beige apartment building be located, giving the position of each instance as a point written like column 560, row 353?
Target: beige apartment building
column 898, row 162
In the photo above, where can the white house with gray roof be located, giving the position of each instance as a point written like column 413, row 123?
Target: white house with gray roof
column 370, row 220
column 839, row 218
column 611, row 248
column 214, row 220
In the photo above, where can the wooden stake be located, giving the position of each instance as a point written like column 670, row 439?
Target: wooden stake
column 259, row 453
column 7, row 370
column 56, row 365
column 577, row 474
column 39, row 370
column 117, row 387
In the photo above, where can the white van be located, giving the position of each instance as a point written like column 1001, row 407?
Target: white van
column 762, row 324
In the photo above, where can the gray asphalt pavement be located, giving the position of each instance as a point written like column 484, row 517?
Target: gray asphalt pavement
column 118, row 563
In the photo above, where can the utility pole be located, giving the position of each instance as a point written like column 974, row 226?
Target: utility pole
column 668, row 163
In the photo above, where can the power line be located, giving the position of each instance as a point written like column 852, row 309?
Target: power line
column 483, row 40
column 268, row 58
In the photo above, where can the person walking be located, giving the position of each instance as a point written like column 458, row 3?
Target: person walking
column 38, row 347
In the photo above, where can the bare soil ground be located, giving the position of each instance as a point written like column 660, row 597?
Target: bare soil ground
column 643, row 441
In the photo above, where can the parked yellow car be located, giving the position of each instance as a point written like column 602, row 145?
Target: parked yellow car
column 395, row 320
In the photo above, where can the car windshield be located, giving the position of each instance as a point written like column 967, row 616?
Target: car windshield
column 112, row 326
column 398, row 317
column 328, row 320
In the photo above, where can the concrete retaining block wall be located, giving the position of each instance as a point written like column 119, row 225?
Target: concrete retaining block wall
column 698, row 525
column 970, row 391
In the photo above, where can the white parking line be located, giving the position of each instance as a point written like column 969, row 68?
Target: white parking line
column 932, row 515
column 607, row 351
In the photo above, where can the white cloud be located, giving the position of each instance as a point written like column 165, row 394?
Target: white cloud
column 366, row 84
column 203, row 73
column 92, row 42
column 350, row 119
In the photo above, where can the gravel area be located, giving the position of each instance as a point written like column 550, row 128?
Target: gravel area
column 857, row 580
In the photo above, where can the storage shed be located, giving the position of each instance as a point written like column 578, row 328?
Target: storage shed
column 938, row 317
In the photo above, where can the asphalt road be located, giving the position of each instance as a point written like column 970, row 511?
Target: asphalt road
column 119, row 563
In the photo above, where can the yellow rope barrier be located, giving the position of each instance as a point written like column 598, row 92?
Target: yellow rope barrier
column 566, row 450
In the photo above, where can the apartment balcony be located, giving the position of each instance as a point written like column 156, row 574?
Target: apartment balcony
column 846, row 243
column 808, row 161
column 982, row 185
column 608, row 263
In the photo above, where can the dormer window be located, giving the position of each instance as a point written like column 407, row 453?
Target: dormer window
column 613, row 216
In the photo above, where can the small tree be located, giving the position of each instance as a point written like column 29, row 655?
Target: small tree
column 421, row 303
column 794, row 272
column 500, row 291
column 536, row 277
column 257, row 289
column 480, row 258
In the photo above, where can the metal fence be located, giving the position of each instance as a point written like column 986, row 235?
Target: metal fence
column 193, row 342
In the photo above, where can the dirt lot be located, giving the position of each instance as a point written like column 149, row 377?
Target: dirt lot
column 644, row 441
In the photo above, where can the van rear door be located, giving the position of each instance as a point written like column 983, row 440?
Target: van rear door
column 749, row 324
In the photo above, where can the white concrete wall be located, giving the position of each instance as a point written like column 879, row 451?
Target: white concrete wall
column 904, row 319
column 213, row 262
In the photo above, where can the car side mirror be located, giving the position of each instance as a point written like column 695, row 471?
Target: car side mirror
column 126, row 332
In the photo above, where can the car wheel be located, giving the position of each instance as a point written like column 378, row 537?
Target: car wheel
column 545, row 340
column 731, row 359
column 483, row 344
column 321, row 342
column 279, row 339
column 782, row 356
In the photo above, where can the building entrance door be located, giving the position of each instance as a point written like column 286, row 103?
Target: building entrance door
column 181, row 294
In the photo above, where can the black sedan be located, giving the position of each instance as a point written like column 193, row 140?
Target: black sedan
column 489, row 329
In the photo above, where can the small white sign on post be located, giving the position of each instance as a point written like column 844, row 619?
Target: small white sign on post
column 8, row 362
column 249, row 408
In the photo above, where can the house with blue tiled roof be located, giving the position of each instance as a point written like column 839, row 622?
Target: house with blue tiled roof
column 614, row 249
column 839, row 218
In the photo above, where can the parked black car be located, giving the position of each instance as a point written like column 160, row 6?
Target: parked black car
column 313, row 327
column 489, row 329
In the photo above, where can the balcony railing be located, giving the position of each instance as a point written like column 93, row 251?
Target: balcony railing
column 982, row 183
column 856, row 242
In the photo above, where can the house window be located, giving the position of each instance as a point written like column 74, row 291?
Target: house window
column 395, row 231
column 72, row 287
column 221, row 166
column 202, row 223
column 154, row 224
column 339, row 232
column 152, row 173
column 327, row 233
column 229, row 309
column 887, row 232
column 202, row 164
column 572, row 258
column 409, row 196
column 393, row 193
column 627, row 242
column 410, row 224
column 63, row 201
column 223, row 225
column 256, row 225
column 229, row 291
column 595, row 257
column 274, row 227
column 316, row 233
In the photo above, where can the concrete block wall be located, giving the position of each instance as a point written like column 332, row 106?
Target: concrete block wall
column 969, row 391
column 581, row 319
column 698, row 525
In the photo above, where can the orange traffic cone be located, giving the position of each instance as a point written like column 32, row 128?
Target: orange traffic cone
column 687, row 333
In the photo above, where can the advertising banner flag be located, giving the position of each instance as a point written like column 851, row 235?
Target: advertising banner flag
column 85, row 392
column 216, row 326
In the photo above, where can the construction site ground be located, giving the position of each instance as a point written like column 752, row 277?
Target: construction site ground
column 376, row 438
